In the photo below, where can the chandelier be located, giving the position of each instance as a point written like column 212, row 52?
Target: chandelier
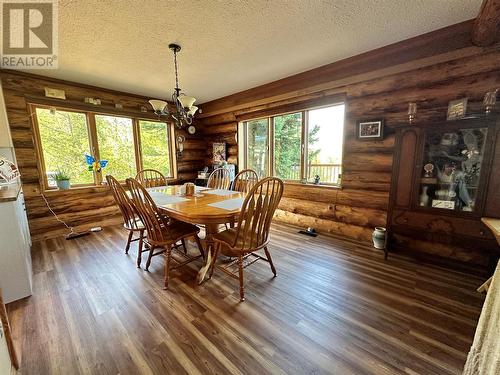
column 184, row 108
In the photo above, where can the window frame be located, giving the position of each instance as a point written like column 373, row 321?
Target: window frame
column 268, row 147
column 170, row 140
column 304, row 141
column 94, row 144
column 302, row 144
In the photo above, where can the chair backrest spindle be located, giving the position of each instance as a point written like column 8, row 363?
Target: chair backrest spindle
column 257, row 213
column 123, row 201
column 153, row 221
column 245, row 180
column 151, row 178
column 219, row 179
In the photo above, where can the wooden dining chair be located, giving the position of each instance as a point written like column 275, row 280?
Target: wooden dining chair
column 151, row 178
column 131, row 220
column 245, row 180
column 219, row 179
column 162, row 232
column 252, row 232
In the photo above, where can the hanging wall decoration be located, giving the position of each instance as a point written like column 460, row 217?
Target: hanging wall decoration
column 219, row 149
column 457, row 109
column 370, row 130
column 180, row 145
column 94, row 165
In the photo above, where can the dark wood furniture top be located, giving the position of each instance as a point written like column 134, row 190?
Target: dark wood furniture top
column 9, row 193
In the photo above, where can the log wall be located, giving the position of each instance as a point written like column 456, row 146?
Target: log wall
column 86, row 207
column 430, row 70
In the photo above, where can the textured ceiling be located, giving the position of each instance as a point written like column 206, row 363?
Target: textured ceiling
column 229, row 46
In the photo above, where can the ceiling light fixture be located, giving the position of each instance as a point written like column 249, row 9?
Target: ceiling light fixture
column 184, row 108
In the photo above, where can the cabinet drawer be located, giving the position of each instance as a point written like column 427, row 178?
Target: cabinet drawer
column 440, row 224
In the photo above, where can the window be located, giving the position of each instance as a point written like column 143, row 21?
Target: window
column 64, row 139
column 287, row 146
column 300, row 146
column 155, row 146
column 325, row 134
column 258, row 150
column 65, row 136
column 115, row 137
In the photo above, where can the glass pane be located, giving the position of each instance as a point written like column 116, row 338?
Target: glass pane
column 257, row 152
column 115, row 138
column 65, row 141
column 324, row 144
column 452, row 168
column 155, row 147
column 287, row 145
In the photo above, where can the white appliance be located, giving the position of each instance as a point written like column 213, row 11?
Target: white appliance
column 15, row 240
column 15, row 250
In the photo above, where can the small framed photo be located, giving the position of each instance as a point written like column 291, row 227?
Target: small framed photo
column 370, row 130
column 449, row 205
column 457, row 109
column 219, row 150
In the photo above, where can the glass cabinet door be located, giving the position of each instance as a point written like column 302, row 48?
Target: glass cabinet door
column 451, row 170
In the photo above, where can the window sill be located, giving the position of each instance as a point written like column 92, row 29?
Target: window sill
column 91, row 188
column 76, row 190
column 311, row 185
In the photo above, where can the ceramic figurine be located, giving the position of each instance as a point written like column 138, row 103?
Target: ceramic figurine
column 424, row 198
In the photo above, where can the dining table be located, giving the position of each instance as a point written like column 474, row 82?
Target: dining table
column 207, row 207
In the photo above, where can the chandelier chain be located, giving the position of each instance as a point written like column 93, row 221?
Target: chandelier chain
column 176, row 75
column 184, row 108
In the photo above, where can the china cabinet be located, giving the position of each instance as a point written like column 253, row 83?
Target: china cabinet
column 446, row 176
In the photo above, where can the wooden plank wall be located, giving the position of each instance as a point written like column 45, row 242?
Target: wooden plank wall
column 418, row 73
column 86, row 207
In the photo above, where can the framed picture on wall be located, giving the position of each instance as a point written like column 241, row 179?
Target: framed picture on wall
column 219, row 149
column 370, row 130
column 457, row 109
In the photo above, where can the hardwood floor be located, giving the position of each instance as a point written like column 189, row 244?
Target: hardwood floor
column 334, row 307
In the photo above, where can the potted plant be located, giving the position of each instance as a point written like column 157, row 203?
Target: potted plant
column 62, row 180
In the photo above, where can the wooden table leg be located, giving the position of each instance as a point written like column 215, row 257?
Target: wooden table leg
column 210, row 230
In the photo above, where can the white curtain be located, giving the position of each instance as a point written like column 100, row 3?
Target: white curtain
column 484, row 355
